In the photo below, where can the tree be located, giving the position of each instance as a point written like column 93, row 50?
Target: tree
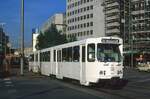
column 41, row 42
column 51, row 37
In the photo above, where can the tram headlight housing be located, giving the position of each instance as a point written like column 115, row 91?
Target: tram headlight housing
column 102, row 72
column 119, row 72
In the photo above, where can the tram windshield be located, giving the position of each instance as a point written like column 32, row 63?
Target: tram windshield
column 108, row 53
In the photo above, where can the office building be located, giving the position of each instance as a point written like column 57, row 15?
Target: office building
column 57, row 20
column 84, row 18
column 140, row 25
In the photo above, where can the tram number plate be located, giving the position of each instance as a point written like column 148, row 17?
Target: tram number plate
column 112, row 69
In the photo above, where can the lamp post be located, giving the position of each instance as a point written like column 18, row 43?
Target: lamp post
column 22, row 37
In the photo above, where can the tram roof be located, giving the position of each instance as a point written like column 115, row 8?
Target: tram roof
column 76, row 43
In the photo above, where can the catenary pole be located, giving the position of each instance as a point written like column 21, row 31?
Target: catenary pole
column 22, row 37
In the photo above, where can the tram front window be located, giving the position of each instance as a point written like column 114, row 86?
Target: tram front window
column 91, row 52
column 108, row 53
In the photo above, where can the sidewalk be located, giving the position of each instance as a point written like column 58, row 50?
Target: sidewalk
column 15, row 72
column 26, row 73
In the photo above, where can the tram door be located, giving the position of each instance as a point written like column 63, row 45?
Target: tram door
column 59, row 64
column 83, row 64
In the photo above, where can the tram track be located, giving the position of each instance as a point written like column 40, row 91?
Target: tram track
column 112, row 93
column 108, row 92
column 135, row 86
column 128, row 92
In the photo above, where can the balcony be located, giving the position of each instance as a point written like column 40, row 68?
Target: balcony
column 112, row 11
column 112, row 18
column 138, row 12
column 113, row 24
column 116, row 31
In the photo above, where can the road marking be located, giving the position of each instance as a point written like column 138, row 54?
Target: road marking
column 9, row 85
column 8, row 82
column 144, row 80
column 6, row 79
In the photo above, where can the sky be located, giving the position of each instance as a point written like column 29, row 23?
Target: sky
column 36, row 13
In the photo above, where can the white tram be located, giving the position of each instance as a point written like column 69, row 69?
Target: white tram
column 87, row 61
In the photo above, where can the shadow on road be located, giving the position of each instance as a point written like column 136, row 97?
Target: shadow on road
column 40, row 92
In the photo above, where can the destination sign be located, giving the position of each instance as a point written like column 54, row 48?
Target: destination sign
column 112, row 41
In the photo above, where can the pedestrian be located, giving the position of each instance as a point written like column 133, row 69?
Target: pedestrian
column 5, row 67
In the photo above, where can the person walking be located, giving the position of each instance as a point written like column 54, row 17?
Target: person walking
column 5, row 67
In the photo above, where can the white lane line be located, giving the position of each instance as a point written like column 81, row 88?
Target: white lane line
column 9, row 85
column 141, row 81
column 144, row 80
column 6, row 79
column 8, row 82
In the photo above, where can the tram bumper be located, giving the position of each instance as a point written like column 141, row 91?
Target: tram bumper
column 114, row 82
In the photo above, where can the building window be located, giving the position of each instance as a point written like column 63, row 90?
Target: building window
column 91, row 7
column 91, row 32
column 91, row 15
column 91, row 23
column 88, row 16
column 84, row 16
column 84, row 9
column 87, row 32
column 88, row 24
column 84, row 24
column 84, row 33
column 88, row 8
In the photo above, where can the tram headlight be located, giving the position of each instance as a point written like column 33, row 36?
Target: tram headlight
column 102, row 72
column 119, row 72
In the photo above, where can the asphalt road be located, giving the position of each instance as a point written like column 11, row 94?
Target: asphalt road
column 34, row 86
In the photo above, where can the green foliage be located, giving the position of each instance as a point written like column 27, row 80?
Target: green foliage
column 72, row 39
column 41, row 42
column 51, row 37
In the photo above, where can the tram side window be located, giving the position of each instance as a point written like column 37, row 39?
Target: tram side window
column 70, row 54
column 83, row 54
column 41, row 57
column 36, row 58
column 48, row 56
column 91, row 53
column 45, row 56
column 67, row 54
column 59, row 56
column 63, row 54
column 32, row 57
column 76, row 53
column 54, row 55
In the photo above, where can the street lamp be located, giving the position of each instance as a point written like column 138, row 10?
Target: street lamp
column 22, row 37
